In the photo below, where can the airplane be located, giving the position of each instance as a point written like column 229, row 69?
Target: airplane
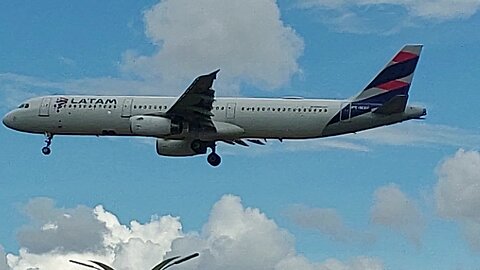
column 197, row 120
column 163, row 265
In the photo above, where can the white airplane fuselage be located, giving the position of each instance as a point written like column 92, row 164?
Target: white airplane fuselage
column 197, row 120
column 286, row 118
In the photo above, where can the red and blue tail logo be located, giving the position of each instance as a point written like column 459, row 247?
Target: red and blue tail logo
column 388, row 91
column 395, row 79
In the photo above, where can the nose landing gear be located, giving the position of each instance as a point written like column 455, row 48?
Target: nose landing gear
column 46, row 150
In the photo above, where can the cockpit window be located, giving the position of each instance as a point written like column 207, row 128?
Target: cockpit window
column 27, row 105
column 24, row 106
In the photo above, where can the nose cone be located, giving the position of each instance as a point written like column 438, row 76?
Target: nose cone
column 8, row 120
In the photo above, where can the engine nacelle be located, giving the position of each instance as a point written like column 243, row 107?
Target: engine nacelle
column 174, row 148
column 156, row 126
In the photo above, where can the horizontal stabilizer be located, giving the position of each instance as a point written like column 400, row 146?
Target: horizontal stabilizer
column 394, row 105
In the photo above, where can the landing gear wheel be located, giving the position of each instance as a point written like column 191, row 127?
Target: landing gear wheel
column 46, row 151
column 214, row 159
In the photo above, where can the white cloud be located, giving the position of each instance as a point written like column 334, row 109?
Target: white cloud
column 234, row 238
column 412, row 133
column 246, row 39
column 417, row 133
column 394, row 209
column 457, row 193
column 429, row 9
column 51, row 228
column 357, row 263
column 327, row 221
column 3, row 259
column 358, row 16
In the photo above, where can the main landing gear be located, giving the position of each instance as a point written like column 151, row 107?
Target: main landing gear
column 214, row 159
column 200, row 147
column 46, row 150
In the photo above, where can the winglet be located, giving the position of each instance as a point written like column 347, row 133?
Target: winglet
column 211, row 76
column 215, row 73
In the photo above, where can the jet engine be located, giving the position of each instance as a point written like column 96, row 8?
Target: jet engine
column 156, row 126
column 175, row 148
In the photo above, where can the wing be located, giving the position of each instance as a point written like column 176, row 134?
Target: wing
column 195, row 104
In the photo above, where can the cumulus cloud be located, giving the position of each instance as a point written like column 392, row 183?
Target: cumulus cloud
column 234, row 237
column 456, row 193
column 51, row 228
column 394, row 209
column 3, row 259
column 358, row 15
column 327, row 221
column 246, row 39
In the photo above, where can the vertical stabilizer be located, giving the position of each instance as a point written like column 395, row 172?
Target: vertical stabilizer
column 394, row 80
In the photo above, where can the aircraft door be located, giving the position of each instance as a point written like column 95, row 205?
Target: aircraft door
column 345, row 112
column 127, row 107
column 45, row 107
column 231, row 110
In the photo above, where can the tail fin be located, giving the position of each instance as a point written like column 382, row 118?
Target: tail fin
column 393, row 82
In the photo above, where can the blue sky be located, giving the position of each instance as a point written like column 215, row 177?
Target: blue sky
column 400, row 197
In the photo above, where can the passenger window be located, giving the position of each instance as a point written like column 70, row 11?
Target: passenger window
column 263, row 109
column 223, row 108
